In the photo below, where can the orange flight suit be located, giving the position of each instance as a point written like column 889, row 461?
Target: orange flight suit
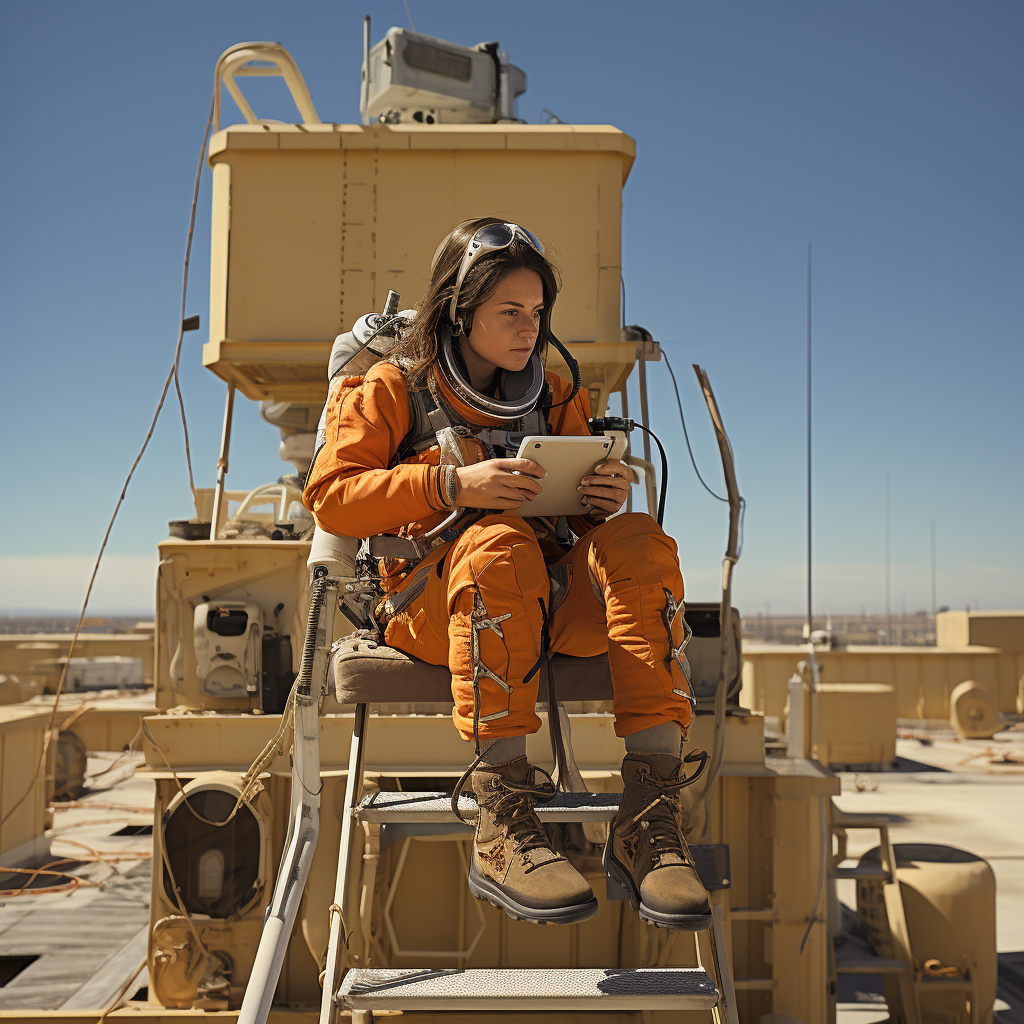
column 482, row 597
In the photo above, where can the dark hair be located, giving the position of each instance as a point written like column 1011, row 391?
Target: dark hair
column 417, row 351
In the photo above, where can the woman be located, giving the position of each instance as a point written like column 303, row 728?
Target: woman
column 417, row 448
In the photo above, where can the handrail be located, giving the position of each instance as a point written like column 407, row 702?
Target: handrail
column 234, row 60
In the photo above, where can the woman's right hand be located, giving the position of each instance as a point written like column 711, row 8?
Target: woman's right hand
column 499, row 483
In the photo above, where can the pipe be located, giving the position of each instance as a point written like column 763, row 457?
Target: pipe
column 222, row 461
column 732, row 556
column 304, row 813
column 364, row 91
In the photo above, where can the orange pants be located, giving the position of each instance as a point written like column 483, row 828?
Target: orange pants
column 475, row 604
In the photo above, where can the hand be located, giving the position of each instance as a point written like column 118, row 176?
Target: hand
column 499, row 483
column 607, row 488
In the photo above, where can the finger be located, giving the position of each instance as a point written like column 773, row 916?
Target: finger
column 617, row 473
column 518, row 491
column 520, row 482
column 604, row 505
column 611, row 467
column 604, row 491
column 525, row 466
column 508, row 501
column 526, row 484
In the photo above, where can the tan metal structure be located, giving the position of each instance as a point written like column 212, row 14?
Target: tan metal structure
column 22, row 734
column 923, row 678
column 312, row 224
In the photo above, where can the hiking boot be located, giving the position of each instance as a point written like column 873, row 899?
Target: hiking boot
column 646, row 852
column 514, row 866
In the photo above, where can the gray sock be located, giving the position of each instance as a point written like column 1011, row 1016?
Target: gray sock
column 664, row 738
column 508, row 748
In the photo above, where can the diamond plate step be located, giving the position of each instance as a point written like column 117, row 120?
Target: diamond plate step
column 667, row 988
column 391, row 808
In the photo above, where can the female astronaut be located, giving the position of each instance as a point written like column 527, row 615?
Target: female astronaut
column 415, row 439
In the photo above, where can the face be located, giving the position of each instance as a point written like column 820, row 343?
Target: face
column 506, row 326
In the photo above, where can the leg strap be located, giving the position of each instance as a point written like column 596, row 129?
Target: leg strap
column 668, row 616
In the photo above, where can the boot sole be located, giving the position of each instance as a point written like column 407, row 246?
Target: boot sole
column 682, row 922
column 490, row 892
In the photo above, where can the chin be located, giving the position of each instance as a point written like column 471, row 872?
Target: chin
column 516, row 360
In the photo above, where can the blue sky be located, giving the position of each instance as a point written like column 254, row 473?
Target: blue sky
column 888, row 134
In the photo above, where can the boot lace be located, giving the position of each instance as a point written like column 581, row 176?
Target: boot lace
column 514, row 809
column 661, row 821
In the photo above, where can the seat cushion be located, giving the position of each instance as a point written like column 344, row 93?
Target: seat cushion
column 368, row 673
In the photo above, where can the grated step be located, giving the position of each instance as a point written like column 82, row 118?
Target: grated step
column 436, row 807
column 667, row 988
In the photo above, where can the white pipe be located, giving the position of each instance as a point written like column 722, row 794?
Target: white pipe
column 222, row 462
column 300, row 845
column 364, row 92
column 303, row 830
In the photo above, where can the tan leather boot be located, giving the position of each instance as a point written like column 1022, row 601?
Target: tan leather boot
column 646, row 852
column 514, row 867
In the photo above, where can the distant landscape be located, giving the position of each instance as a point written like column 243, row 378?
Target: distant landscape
column 896, row 630
column 901, row 630
column 12, row 622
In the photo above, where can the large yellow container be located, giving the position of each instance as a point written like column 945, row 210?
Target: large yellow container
column 22, row 733
column 856, row 724
column 312, row 224
column 949, row 899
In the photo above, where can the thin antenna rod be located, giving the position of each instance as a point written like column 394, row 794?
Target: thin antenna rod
column 888, row 567
column 935, row 606
column 810, row 606
column 364, row 90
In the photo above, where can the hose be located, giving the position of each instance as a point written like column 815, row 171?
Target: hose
column 304, row 680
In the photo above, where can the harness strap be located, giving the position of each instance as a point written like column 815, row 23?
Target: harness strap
column 386, row 545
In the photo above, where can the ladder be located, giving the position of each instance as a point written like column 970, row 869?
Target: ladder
column 364, row 990
column 908, row 976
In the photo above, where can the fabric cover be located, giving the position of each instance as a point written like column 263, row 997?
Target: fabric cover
column 369, row 673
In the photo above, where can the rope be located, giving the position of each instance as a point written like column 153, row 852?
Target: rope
column 172, row 375
column 250, row 784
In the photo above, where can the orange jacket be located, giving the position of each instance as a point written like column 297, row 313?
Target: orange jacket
column 352, row 492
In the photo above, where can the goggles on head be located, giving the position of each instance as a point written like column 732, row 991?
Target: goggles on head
column 490, row 238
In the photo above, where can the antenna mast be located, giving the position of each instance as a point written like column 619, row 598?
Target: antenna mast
column 810, row 605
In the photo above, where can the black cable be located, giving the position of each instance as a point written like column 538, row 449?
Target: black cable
column 574, row 369
column 110, row 525
column 664, row 472
column 383, row 327
column 682, row 419
column 184, row 292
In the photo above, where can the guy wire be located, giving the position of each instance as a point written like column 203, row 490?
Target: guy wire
column 172, row 375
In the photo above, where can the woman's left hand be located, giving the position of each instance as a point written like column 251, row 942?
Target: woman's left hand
column 607, row 488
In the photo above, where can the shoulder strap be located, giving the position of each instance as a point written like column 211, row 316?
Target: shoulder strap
column 426, row 420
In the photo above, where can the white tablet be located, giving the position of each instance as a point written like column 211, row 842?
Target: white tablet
column 568, row 459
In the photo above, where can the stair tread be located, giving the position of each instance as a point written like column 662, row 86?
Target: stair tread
column 528, row 989
column 436, row 807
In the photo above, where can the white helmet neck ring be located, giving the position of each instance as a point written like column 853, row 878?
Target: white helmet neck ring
column 522, row 389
